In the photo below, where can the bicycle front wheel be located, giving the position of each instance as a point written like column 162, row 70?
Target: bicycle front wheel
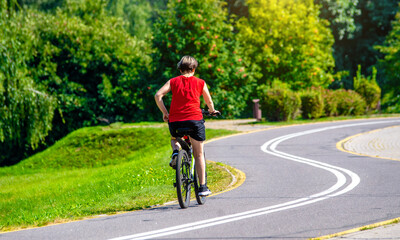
column 183, row 180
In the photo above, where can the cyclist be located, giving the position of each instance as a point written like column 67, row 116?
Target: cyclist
column 185, row 112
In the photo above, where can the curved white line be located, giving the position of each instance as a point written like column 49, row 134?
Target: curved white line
column 270, row 148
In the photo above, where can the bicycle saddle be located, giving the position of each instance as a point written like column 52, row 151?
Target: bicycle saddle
column 184, row 131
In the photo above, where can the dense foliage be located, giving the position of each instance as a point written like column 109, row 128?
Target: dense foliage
column 188, row 27
column 390, row 65
column 349, row 102
column 312, row 104
column 286, row 40
column 279, row 103
column 26, row 108
column 341, row 15
column 91, row 80
column 368, row 88
column 373, row 23
column 65, row 64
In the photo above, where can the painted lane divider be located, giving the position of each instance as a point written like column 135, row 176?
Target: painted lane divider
column 270, row 148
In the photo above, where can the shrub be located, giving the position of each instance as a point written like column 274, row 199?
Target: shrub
column 349, row 102
column 330, row 102
column 312, row 104
column 368, row 88
column 280, row 103
column 391, row 102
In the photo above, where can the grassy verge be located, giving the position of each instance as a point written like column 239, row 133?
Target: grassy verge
column 97, row 170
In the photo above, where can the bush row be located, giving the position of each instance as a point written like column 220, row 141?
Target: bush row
column 279, row 103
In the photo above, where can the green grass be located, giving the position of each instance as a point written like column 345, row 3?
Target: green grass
column 96, row 170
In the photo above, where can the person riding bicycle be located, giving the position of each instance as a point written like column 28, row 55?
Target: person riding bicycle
column 185, row 112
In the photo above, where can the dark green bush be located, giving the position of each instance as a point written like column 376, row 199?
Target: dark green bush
column 279, row 103
column 312, row 104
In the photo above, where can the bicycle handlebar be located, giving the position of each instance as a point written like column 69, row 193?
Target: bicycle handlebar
column 208, row 114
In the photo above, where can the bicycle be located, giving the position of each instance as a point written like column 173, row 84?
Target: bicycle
column 186, row 174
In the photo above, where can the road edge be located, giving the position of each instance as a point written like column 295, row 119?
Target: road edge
column 359, row 229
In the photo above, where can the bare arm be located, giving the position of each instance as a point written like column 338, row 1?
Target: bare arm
column 207, row 99
column 159, row 101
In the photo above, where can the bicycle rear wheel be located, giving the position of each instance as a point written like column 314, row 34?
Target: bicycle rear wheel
column 183, row 180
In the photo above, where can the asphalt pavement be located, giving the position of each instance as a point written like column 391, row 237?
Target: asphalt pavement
column 279, row 199
column 381, row 143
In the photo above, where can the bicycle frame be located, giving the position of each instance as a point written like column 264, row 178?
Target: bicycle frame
column 187, row 146
column 186, row 173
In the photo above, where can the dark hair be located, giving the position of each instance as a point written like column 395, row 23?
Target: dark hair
column 187, row 64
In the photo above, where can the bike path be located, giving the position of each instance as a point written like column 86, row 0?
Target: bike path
column 381, row 143
column 278, row 199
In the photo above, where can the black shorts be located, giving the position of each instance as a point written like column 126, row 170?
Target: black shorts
column 199, row 130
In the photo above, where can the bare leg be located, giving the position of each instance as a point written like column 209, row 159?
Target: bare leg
column 198, row 153
column 175, row 144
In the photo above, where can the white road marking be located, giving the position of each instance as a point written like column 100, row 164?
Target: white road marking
column 270, row 148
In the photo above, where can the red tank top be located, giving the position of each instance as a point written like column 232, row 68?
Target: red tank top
column 185, row 104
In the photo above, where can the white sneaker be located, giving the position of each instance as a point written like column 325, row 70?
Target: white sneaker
column 204, row 191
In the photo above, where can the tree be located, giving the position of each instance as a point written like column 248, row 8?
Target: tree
column 286, row 40
column 237, row 8
column 190, row 27
column 136, row 13
column 94, row 67
column 340, row 14
column 390, row 65
column 372, row 26
column 26, row 109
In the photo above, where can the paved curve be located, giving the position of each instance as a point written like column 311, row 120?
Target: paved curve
column 298, row 186
column 382, row 143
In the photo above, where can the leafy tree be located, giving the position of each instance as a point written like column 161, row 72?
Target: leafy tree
column 200, row 29
column 287, row 40
column 340, row 13
column 237, row 8
column 372, row 26
column 93, row 66
column 26, row 109
column 137, row 14
column 390, row 65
